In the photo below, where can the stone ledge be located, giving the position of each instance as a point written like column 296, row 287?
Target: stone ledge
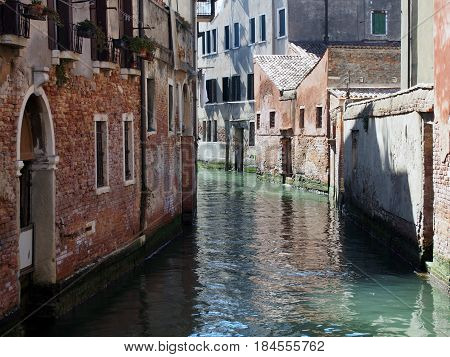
column 416, row 99
column 13, row 41
column 129, row 72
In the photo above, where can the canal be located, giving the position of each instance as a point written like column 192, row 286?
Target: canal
column 263, row 260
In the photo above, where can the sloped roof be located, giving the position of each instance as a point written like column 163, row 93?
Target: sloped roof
column 285, row 71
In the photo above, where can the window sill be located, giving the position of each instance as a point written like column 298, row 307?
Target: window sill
column 262, row 42
column 129, row 182
column 151, row 133
column 58, row 55
column 13, row 41
column 103, row 190
column 282, row 37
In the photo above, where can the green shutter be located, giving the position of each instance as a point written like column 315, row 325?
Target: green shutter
column 379, row 23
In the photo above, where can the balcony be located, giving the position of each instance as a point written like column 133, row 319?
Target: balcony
column 129, row 64
column 69, row 45
column 206, row 10
column 105, row 58
column 14, row 28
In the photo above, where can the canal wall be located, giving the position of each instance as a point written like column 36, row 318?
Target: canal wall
column 388, row 172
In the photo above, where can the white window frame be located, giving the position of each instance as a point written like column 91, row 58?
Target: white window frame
column 260, row 28
column 106, row 188
column 128, row 117
column 171, row 131
column 279, row 23
column 238, row 35
column 250, row 43
column 371, row 23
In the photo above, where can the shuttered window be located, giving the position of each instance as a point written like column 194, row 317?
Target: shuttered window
column 379, row 26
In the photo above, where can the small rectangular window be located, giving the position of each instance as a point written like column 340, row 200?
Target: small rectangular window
column 226, row 89
column 215, row 131
column 258, row 121
column 204, row 130
column 151, row 105
column 208, row 42
column 379, row 23
column 209, row 131
column 214, row 41
column 281, row 23
column 128, row 147
column 227, row 43
column 252, row 31
column 319, row 117
column 171, row 109
column 251, row 134
column 250, row 86
column 272, row 120
column 301, row 119
column 101, row 153
column 237, row 35
column 211, row 89
column 262, row 28
column 236, row 88
column 203, row 43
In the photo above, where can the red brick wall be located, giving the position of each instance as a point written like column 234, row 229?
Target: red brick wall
column 442, row 134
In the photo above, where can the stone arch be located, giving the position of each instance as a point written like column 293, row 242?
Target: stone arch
column 36, row 163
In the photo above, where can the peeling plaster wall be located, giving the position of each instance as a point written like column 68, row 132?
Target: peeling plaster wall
column 384, row 162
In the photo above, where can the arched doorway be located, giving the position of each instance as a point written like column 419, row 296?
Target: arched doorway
column 36, row 162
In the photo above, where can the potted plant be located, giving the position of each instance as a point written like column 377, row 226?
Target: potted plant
column 35, row 10
column 89, row 29
column 38, row 11
column 144, row 46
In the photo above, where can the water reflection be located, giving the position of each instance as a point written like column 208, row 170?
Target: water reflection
column 263, row 260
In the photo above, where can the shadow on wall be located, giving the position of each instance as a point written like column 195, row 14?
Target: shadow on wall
column 384, row 180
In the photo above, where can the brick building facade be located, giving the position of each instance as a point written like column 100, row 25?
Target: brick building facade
column 78, row 125
column 301, row 142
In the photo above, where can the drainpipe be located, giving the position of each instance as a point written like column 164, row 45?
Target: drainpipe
column 326, row 37
column 194, row 101
column 409, row 42
column 144, row 189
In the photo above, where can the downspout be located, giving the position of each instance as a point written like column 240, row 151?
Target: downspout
column 144, row 188
column 194, row 102
column 326, row 37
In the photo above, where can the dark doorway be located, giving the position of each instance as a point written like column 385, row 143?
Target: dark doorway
column 286, row 158
column 239, row 149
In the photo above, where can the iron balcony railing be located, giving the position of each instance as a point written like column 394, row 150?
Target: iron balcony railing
column 128, row 59
column 69, row 40
column 11, row 20
column 206, row 9
column 105, row 53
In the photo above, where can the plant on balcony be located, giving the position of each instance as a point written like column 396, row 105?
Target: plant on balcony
column 183, row 23
column 89, row 29
column 38, row 11
column 145, row 47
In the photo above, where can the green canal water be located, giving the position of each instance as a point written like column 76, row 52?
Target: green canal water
column 263, row 260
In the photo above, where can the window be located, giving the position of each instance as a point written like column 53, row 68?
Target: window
column 208, row 42
column 203, row 43
column 237, row 35
column 250, row 86
column 209, row 131
column 215, row 131
column 281, row 23
column 318, row 117
column 204, row 130
column 101, row 148
column 128, row 148
column 226, row 89
column 262, row 28
column 227, row 38
column 171, row 111
column 211, row 89
column 214, row 41
column 272, row 119
column 258, row 121
column 251, row 134
column 151, row 105
column 236, row 88
column 252, row 31
column 301, row 119
column 379, row 23
column 355, row 134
